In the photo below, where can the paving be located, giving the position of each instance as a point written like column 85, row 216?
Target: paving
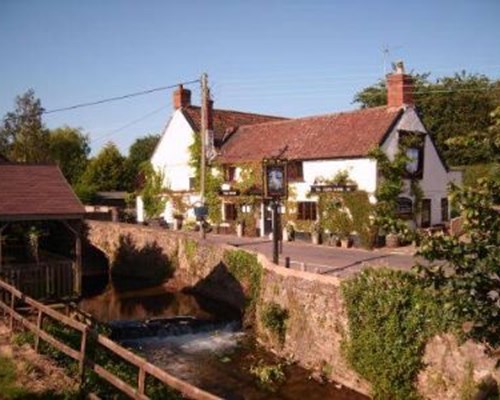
column 334, row 261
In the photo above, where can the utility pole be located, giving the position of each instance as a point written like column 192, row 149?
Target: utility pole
column 203, row 133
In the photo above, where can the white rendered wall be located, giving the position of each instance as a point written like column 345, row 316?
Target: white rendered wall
column 363, row 171
column 172, row 153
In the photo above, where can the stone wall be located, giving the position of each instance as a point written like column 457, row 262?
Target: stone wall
column 315, row 325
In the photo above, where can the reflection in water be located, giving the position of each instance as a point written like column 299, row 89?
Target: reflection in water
column 153, row 302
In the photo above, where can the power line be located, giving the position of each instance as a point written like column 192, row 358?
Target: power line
column 129, row 124
column 117, row 98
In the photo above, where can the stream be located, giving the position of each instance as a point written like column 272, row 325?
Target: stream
column 200, row 341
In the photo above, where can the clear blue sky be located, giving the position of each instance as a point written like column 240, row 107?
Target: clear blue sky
column 291, row 58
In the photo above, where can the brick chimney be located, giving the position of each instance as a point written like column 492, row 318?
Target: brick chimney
column 399, row 87
column 181, row 98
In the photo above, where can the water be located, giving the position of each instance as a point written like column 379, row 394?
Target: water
column 205, row 347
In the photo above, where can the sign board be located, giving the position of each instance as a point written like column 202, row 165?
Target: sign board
column 405, row 207
column 334, row 187
column 201, row 212
column 229, row 192
column 275, row 178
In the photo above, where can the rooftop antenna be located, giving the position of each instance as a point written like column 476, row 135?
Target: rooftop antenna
column 386, row 50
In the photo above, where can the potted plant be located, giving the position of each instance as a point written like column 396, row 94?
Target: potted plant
column 288, row 232
column 240, row 226
column 178, row 221
column 316, row 233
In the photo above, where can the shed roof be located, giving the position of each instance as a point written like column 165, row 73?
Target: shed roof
column 342, row 135
column 33, row 192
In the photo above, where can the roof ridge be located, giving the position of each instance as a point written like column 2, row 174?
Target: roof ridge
column 242, row 112
column 313, row 117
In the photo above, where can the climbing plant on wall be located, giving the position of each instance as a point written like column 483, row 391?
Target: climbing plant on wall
column 391, row 184
column 213, row 180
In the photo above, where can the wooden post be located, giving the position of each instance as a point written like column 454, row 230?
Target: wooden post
column 141, row 380
column 77, row 279
column 81, row 361
column 12, row 303
column 1, row 244
column 39, row 320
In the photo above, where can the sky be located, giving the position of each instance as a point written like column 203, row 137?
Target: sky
column 290, row 58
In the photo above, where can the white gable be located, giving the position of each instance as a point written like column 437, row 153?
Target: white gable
column 172, row 153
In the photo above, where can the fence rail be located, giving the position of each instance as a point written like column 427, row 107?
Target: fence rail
column 53, row 279
column 145, row 368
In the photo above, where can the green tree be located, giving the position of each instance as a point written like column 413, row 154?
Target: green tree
column 456, row 110
column 23, row 136
column 468, row 269
column 69, row 147
column 154, row 202
column 139, row 153
column 106, row 171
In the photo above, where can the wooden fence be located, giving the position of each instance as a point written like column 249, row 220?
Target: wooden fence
column 86, row 364
column 45, row 280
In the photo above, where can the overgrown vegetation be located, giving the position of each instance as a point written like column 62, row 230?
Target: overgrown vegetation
column 391, row 317
column 274, row 318
column 469, row 269
column 151, row 193
column 247, row 269
column 269, row 376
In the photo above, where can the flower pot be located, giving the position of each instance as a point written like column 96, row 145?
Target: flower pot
column 392, row 240
column 239, row 230
column 346, row 243
column 315, row 238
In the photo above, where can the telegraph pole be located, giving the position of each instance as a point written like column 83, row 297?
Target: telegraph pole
column 203, row 133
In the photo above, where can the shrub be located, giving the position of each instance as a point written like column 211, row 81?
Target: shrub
column 391, row 317
column 274, row 318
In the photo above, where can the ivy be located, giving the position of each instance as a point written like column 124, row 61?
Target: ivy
column 246, row 268
column 213, row 180
column 151, row 193
column 391, row 316
column 274, row 318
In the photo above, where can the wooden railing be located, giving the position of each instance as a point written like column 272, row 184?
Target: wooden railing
column 86, row 364
column 45, row 280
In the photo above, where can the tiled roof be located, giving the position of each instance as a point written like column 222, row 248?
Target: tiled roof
column 36, row 190
column 225, row 121
column 342, row 135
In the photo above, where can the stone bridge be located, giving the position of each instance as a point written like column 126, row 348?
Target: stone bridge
column 314, row 303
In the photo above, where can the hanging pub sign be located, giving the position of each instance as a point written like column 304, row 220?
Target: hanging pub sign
column 275, row 178
column 334, row 187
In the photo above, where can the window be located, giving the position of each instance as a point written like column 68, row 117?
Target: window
column 426, row 213
column 230, row 212
column 192, row 183
column 229, row 173
column 295, row 171
column 444, row 209
column 405, row 207
column 306, row 210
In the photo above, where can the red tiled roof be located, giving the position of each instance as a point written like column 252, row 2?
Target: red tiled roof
column 342, row 135
column 36, row 190
column 225, row 121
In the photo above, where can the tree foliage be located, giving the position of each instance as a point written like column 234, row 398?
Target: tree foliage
column 139, row 153
column 23, row 136
column 456, row 110
column 106, row 171
column 151, row 193
column 468, row 268
column 69, row 147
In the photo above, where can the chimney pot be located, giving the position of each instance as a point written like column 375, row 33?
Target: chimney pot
column 181, row 97
column 399, row 88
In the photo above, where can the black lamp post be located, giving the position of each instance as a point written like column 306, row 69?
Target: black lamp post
column 275, row 182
